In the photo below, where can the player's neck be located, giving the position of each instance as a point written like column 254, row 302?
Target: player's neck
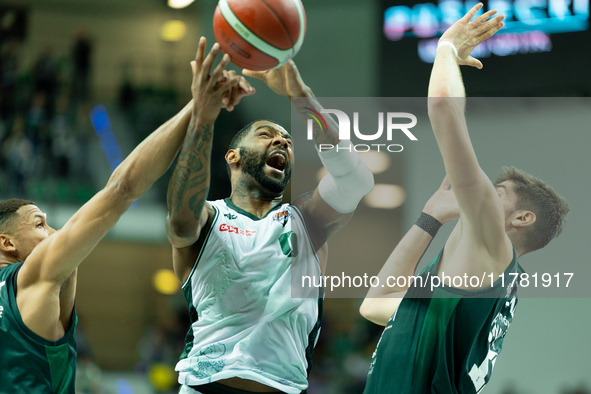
column 255, row 203
column 519, row 250
column 5, row 261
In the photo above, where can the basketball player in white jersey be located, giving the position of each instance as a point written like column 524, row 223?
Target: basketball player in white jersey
column 234, row 257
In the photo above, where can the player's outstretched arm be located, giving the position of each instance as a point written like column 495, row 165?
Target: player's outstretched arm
column 189, row 184
column 330, row 206
column 479, row 205
column 381, row 302
column 46, row 282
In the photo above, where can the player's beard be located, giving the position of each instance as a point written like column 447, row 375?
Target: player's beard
column 254, row 164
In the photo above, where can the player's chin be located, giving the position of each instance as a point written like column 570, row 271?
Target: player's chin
column 274, row 173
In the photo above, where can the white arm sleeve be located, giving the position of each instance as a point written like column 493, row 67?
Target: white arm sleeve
column 348, row 178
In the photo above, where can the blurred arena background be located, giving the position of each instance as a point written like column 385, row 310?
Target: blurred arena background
column 81, row 83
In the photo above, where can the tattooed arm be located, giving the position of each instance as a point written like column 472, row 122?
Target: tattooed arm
column 188, row 211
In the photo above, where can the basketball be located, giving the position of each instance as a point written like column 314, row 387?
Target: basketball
column 259, row 34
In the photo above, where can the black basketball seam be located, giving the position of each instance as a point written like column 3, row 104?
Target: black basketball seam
column 282, row 24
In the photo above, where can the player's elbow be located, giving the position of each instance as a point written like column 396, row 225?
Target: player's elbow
column 369, row 312
column 445, row 113
column 180, row 228
column 121, row 189
column 181, row 232
column 365, row 310
column 125, row 185
column 440, row 104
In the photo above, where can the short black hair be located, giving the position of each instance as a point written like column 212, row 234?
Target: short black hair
column 239, row 136
column 8, row 210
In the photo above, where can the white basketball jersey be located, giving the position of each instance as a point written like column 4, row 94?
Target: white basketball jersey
column 248, row 321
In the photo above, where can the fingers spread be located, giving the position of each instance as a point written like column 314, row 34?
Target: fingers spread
column 492, row 26
column 244, row 85
column 486, row 16
column 221, row 67
column 474, row 62
column 255, row 74
column 208, row 62
column 200, row 52
column 489, row 24
column 472, row 12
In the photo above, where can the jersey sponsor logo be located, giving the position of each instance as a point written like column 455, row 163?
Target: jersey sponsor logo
column 230, row 216
column 282, row 217
column 236, row 230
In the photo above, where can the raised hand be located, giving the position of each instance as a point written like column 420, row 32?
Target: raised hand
column 232, row 97
column 285, row 80
column 209, row 88
column 443, row 205
column 466, row 35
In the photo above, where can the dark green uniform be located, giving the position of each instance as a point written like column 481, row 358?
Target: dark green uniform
column 443, row 341
column 28, row 363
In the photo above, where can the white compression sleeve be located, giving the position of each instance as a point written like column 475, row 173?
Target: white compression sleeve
column 348, row 178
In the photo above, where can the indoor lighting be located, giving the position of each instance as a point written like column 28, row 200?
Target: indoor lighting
column 165, row 281
column 173, row 31
column 377, row 162
column 385, row 196
column 179, row 3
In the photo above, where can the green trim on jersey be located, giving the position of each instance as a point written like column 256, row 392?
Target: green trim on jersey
column 248, row 214
column 215, row 216
column 187, row 291
column 313, row 337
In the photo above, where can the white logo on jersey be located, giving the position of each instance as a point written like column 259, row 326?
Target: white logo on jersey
column 481, row 374
column 1, row 307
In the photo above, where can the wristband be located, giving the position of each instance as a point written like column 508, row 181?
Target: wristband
column 449, row 44
column 428, row 224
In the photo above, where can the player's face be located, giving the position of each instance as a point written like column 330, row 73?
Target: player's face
column 267, row 155
column 506, row 193
column 30, row 229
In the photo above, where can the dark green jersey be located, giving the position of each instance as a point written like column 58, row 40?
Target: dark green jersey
column 444, row 340
column 29, row 363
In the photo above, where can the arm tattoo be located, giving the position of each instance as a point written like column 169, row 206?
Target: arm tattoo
column 189, row 183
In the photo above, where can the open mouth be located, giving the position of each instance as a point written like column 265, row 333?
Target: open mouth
column 277, row 160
